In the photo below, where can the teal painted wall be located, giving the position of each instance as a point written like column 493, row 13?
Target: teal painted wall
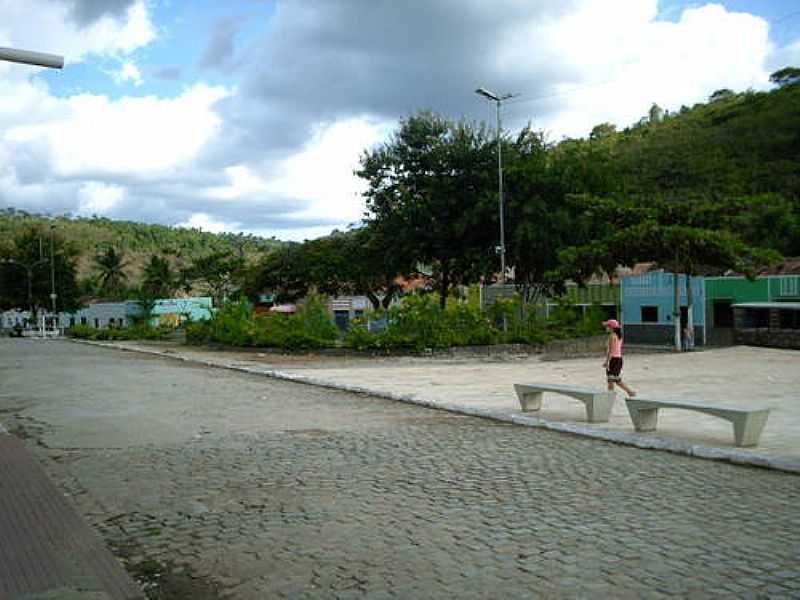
column 656, row 290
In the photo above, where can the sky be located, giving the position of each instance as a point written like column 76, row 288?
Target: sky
column 251, row 115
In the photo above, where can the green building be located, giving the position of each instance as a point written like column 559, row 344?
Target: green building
column 722, row 293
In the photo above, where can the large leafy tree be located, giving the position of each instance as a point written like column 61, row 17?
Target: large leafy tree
column 429, row 187
column 361, row 261
column 283, row 272
column 29, row 265
column 538, row 219
column 219, row 274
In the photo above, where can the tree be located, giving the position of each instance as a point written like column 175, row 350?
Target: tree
column 429, row 188
column 282, row 271
column 111, row 270
column 786, row 76
column 539, row 221
column 29, row 265
column 219, row 273
column 159, row 278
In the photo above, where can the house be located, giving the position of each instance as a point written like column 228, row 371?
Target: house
column 102, row 315
column 723, row 293
column 648, row 305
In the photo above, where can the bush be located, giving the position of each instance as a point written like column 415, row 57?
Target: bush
column 311, row 327
column 419, row 323
column 138, row 331
column 82, row 332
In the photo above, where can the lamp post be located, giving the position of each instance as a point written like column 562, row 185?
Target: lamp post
column 498, row 100
column 40, row 59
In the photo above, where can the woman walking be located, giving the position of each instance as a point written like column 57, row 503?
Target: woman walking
column 613, row 363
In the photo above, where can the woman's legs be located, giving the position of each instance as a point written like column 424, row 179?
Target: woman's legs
column 631, row 393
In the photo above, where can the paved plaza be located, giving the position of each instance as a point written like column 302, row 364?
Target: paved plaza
column 736, row 377
column 209, row 483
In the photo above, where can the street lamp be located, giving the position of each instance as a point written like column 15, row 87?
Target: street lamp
column 27, row 57
column 498, row 100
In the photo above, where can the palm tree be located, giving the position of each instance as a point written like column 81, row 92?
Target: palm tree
column 159, row 280
column 111, row 266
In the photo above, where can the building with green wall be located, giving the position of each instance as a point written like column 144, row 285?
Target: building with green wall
column 724, row 292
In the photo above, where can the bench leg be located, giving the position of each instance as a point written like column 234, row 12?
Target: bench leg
column 598, row 408
column 528, row 400
column 644, row 419
column 747, row 430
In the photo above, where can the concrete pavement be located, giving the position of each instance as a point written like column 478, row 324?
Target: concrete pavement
column 740, row 376
column 210, row 483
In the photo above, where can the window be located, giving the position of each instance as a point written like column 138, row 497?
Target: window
column 83, row 320
column 97, row 323
column 649, row 314
column 723, row 313
column 72, row 321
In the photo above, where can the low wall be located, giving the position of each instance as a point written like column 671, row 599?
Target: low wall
column 575, row 348
column 773, row 338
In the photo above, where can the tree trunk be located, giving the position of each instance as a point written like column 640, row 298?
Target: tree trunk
column 376, row 303
column 676, row 312
column 445, row 285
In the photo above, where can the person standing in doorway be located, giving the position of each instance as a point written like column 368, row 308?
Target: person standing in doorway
column 613, row 363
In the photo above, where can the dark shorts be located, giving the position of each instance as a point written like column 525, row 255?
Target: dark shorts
column 614, row 370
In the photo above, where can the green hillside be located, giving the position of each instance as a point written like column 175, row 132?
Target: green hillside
column 138, row 241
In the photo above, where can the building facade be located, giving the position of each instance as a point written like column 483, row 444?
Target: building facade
column 648, row 301
column 102, row 315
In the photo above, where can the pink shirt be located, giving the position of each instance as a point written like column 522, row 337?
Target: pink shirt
column 614, row 346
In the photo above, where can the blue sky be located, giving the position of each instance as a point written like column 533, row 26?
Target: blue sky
column 251, row 115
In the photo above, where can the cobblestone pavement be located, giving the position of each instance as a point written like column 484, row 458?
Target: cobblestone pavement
column 321, row 494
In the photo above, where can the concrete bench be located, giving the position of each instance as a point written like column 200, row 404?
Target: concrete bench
column 747, row 424
column 598, row 403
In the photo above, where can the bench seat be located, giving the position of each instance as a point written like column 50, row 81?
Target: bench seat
column 598, row 403
column 747, row 423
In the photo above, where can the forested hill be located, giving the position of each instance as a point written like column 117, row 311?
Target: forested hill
column 735, row 150
column 736, row 144
column 138, row 241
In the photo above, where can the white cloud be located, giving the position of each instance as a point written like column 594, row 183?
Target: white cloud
column 141, row 137
column 323, row 171
column 152, row 155
column 627, row 60
column 127, row 71
column 46, row 26
column 205, row 222
column 98, row 198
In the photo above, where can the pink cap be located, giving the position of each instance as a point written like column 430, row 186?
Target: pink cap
column 613, row 323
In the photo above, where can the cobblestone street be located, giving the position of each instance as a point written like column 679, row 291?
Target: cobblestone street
column 213, row 484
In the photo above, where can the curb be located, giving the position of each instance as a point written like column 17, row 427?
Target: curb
column 631, row 439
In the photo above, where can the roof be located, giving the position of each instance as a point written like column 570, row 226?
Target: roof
column 789, row 266
column 783, row 305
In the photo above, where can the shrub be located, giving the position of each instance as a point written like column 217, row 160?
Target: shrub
column 82, row 332
column 138, row 331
